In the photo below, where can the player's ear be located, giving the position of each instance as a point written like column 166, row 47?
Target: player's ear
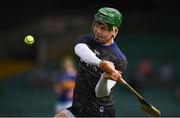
column 115, row 31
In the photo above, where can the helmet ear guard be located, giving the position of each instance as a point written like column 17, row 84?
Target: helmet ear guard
column 109, row 16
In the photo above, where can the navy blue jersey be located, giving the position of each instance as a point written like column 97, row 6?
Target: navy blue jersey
column 84, row 100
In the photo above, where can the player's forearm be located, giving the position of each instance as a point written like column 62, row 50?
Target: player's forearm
column 86, row 54
column 104, row 87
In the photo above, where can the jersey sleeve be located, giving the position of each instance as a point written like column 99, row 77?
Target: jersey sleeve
column 122, row 65
column 121, row 60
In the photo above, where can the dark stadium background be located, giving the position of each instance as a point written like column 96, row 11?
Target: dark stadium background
column 149, row 37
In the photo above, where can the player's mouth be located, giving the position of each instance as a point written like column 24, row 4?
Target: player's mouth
column 99, row 38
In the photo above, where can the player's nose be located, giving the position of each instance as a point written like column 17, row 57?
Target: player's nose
column 98, row 30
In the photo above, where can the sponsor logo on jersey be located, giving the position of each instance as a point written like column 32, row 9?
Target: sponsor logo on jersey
column 91, row 67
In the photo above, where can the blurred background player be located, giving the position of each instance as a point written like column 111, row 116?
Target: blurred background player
column 93, row 93
column 64, row 81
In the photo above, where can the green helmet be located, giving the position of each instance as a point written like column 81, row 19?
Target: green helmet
column 110, row 16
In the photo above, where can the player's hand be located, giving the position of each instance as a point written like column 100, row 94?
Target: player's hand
column 116, row 76
column 107, row 66
column 110, row 72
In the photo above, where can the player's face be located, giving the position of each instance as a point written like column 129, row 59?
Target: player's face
column 103, row 33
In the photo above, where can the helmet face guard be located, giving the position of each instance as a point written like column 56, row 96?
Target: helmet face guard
column 109, row 16
column 97, row 22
